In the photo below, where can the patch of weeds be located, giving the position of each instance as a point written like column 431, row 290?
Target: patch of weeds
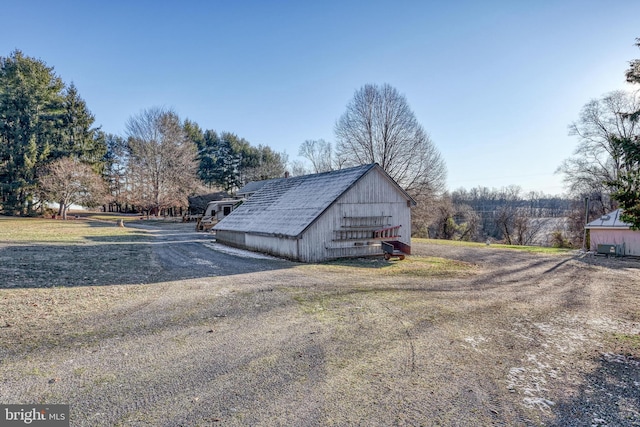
column 79, row 371
column 317, row 305
column 534, row 249
column 628, row 344
column 412, row 266
column 105, row 379
column 36, row 372
column 262, row 363
column 431, row 267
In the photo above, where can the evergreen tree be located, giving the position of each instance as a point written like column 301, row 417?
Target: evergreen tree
column 633, row 76
column 627, row 185
column 206, row 158
column 194, row 133
column 227, row 162
column 31, row 109
column 78, row 138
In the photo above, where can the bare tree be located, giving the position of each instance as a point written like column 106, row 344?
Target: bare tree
column 441, row 218
column 320, row 153
column 517, row 227
column 426, row 214
column 68, row 181
column 162, row 166
column 298, row 168
column 599, row 157
column 527, row 229
column 505, row 220
column 379, row 127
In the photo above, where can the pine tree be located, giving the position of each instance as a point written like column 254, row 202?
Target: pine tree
column 78, row 138
column 31, row 106
column 627, row 186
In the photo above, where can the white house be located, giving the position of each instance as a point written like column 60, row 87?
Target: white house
column 313, row 218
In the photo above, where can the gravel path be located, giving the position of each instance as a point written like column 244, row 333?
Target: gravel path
column 214, row 338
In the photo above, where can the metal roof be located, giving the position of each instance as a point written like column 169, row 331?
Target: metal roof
column 610, row 220
column 287, row 206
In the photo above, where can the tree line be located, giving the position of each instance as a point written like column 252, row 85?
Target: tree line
column 42, row 120
column 52, row 151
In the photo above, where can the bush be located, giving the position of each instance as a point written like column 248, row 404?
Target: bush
column 558, row 240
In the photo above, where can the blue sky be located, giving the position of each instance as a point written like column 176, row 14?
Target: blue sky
column 495, row 83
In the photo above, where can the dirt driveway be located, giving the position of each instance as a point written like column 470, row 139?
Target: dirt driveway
column 208, row 338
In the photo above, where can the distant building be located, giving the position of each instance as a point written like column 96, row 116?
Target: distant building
column 252, row 187
column 611, row 230
column 313, row 218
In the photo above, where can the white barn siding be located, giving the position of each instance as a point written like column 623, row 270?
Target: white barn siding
column 372, row 196
column 317, row 243
column 324, row 216
column 231, row 238
column 278, row 246
column 603, row 236
column 375, row 195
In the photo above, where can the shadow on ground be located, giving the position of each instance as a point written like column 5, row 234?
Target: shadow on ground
column 616, row 263
column 610, row 395
column 117, row 261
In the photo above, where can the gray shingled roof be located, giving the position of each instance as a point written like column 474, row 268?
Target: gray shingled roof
column 610, row 220
column 287, row 206
column 254, row 186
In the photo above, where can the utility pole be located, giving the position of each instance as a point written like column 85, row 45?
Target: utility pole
column 586, row 221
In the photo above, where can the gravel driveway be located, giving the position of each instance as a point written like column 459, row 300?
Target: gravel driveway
column 210, row 338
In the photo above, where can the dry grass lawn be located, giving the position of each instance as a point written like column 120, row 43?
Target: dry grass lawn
column 150, row 326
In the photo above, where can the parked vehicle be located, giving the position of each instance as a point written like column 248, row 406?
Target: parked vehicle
column 215, row 212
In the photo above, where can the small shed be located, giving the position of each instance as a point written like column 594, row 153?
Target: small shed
column 318, row 217
column 610, row 231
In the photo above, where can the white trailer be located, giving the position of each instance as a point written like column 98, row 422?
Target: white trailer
column 216, row 211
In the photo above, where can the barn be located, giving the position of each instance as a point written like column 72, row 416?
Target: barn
column 609, row 234
column 319, row 217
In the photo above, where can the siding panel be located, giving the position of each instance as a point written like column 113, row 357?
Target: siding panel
column 630, row 238
column 282, row 247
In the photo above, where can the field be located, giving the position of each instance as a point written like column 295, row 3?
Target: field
column 153, row 324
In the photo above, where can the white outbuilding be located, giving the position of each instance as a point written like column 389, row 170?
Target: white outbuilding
column 318, row 217
column 610, row 235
